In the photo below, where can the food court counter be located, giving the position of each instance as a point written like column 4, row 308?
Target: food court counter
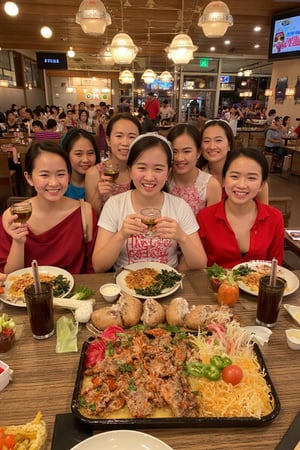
column 44, row 380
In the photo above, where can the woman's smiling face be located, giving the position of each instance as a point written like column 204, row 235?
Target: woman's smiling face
column 82, row 156
column 185, row 153
column 243, row 180
column 214, row 145
column 49, row 176
column 150, row 171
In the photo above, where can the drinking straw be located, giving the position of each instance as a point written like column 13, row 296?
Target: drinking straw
column 273, row 272
column 36, row 277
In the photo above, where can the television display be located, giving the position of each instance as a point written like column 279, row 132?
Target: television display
column 285, row 35
column 51, row 61
column 161, row 85
column 224, row 79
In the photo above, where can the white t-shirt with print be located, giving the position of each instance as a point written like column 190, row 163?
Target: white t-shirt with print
column 139, row 248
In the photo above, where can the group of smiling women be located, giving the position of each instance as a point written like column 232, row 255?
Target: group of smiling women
column 213, row 200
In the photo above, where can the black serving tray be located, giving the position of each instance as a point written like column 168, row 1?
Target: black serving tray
column 171, row 422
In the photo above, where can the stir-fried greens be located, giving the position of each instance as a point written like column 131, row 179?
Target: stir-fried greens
column 163, row 280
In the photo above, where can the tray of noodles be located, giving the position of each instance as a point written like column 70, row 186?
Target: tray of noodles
column 141, row 378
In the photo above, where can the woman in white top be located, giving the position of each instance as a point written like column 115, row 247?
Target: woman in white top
column 196, row 187
column 121, row 236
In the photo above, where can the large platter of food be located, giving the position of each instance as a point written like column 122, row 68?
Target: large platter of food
column 162, row 377
column 61, row 280
column 254, row 270
column 149, row 279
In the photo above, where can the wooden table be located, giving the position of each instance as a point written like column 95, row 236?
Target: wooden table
column 290, row 243
column 44, row 380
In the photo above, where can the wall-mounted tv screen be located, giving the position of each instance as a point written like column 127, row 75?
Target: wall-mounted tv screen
column 161, row 85
column 51, row 61
column 285, row 35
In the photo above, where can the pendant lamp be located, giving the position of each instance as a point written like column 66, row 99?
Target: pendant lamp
column 93, row 17
column 126, row 77
column 215, row 20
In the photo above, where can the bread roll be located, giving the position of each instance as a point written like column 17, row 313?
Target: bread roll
column 200, row 316
column 104, row 317
column 176, row 311
column 153, row 313
column 130, row 308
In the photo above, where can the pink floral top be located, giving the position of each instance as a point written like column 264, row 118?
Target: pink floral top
column 194, row 195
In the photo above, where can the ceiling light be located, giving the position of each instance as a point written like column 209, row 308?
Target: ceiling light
column 257, row 28
column 247, row 73
column 105, row 56
column 148, row 76
column 123, row 49
column 46, row 32
column 93, row 17
column 212, row 49
column 126, row 77
column 227, row 42
column 215, row 20
column 166, row 76
column 11, row 8
column 256, row 46
column 71, row 52
column 181, row 49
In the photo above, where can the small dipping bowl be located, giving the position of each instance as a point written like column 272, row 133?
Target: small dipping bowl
column 293, row 338
column 110, row 292
column 4, row 375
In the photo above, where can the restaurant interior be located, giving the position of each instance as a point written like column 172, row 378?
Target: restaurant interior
column 220, row 54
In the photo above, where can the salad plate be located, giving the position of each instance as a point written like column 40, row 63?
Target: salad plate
column 122, row 440
column 249, row 283
column 121, row 278
column 23, row 275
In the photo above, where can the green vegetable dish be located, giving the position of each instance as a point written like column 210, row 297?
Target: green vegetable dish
column 166, row 279
column 60, row 285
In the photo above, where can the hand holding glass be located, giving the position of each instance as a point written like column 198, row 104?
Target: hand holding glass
column 23, row 211
column 111, row 170
column 149, row 219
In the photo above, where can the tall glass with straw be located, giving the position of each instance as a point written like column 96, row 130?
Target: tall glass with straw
column 271, row 290
column 39, row 302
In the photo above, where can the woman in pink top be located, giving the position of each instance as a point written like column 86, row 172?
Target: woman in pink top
column 196, row 187
column 121, row 130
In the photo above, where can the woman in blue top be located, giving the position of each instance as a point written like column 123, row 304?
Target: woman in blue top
column 82, row 150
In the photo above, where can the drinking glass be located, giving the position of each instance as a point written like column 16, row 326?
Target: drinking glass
column 23, row 211
column 111, row 170
column 149, row 219
column 40, row 310
column 269, row 301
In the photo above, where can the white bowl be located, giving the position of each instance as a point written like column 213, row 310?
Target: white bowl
column 122, row 440
column 293, row 338
column 4, row 376
column 110, row 292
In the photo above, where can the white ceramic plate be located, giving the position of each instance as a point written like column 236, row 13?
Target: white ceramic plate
column 290, row 277
column 120, row 280
column 122, row 440
column 20, row 302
